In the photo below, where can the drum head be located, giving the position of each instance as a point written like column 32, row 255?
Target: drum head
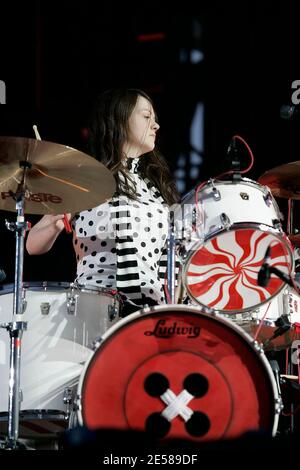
column 178, row 372
column 221, row 273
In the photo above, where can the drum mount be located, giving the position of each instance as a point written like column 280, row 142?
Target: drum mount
column 17, row 326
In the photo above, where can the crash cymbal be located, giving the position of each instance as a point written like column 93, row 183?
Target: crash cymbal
column 59, row 179
column 284, row 180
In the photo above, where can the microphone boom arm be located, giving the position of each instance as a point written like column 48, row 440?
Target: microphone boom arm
column 284, row 277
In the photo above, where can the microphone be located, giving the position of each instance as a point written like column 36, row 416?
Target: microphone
column 264, row 273
column 235, row 159
column 232, row 146
column 283, row 323
column 289, row 112
column 284, row 277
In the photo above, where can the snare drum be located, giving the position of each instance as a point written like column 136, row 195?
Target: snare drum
column 63, row 323
column 178, row 371
column 225, row 244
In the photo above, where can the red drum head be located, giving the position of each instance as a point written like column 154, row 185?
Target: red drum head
column 176, row 372
column 222, row 272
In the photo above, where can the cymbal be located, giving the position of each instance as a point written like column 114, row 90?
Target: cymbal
column 59, row 179
column 284, row 180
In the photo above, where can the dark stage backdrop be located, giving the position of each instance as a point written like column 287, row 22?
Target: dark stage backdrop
column 55, row 56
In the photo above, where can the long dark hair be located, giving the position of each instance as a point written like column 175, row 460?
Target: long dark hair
column 108, row 131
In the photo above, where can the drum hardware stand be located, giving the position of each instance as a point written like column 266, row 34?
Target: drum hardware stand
column 17, row 326
column 171, row 258
column 266, row 270
column 291, row 429
column 68, row 400
column 283, row 324
column 292, row 388
column 276, row 371
column 112, row 312
column 284, row 277
column 290, row 223
column 216, row 195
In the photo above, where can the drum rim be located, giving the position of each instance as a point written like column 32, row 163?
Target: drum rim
column 216, row 181
column 90, row 288
column 36, row 286
column 278, row 233
column 40, row 417
column 208, row 313
column 38, row 414
column 52, row 286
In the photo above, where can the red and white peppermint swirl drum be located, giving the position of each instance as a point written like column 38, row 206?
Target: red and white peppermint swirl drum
column 237, row 223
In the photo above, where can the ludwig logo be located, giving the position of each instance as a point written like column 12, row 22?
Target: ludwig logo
column 2, row 92
column 165, row 329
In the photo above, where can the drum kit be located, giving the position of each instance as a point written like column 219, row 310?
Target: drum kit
column 45, row 178
column 196, row 369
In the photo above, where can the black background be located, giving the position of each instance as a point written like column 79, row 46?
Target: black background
column 55, row 56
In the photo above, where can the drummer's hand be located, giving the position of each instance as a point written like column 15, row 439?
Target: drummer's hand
column 59, row 221
column 55, row 220
column 43, row 234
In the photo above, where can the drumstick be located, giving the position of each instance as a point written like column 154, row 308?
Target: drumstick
column 37, row 135
column 67, row 225
column 65, row 219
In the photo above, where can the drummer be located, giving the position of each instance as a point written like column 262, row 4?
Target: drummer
column 118, row 244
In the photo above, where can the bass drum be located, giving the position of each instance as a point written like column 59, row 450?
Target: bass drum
column 179, row 372
column 64, row 321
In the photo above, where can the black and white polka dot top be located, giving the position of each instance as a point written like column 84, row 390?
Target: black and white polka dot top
column 118, row 244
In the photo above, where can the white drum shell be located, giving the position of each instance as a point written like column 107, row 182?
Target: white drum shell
column 63, row 324
column 223, row 209
column 242, row 202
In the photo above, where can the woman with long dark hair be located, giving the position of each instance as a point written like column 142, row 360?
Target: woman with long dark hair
column 119, row 244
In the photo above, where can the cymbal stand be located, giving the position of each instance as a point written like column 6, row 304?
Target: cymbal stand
column 290, row 222
column 290, row 231
column 17, row 326
column 171, row 260
column 172, row 242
